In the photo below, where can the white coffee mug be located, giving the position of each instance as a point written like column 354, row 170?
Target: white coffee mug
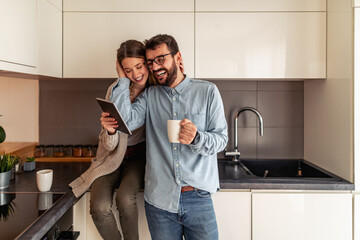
column 173, row 129
column 44, row 179
column 45, row 200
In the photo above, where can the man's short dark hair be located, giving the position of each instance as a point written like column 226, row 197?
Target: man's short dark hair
column 155, row 41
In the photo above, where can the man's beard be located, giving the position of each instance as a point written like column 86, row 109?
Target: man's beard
column 172, row 74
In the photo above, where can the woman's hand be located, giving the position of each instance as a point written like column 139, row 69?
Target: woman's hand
column 120, row 70
column 108, row 123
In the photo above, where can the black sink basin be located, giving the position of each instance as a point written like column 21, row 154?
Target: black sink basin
column 232, row 170
column 272, row 169
column 285, row 168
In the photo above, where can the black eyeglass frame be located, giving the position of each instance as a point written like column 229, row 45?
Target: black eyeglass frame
column 156, row 59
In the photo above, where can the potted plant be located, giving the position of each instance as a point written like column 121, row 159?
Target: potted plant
column 29, row 164
column 7, row 161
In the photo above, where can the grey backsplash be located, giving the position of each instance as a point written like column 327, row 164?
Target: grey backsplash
column 69, row 114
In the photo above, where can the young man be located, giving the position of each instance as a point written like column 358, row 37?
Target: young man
column 179, row 177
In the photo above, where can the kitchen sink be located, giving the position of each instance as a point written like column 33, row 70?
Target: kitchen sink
column 284, row 168
column 272, row 169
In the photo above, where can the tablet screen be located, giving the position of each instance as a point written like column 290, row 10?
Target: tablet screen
column 110, row 107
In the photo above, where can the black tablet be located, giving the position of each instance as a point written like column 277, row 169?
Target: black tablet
column 110, row 107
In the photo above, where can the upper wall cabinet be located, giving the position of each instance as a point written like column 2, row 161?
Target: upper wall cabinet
column 260, row 45
column 18, row 34
column 260, row 5
column 126, row 5
column 31, row 37
column 91, row 39
column 49, row 24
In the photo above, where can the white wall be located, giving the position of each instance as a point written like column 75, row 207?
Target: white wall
column 328, row 104
column 357, row 96
column 19, row 105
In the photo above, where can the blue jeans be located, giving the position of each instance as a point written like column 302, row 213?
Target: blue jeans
column 195, row 220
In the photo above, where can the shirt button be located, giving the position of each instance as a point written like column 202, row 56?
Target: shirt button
column 174, row 98
column 177, row 164
column 175, row 148
column 174, row 114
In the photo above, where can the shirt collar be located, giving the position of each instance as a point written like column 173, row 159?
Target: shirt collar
column 179, row 88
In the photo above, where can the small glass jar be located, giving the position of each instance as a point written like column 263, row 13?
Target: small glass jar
column 87, row 151
column 39, row 151
column 59, row 151
column 77, row 151
column 94, row 149
column 68, row 149
column 49, row 151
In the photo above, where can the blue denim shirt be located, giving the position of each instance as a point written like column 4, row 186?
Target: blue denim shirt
column 170, row 166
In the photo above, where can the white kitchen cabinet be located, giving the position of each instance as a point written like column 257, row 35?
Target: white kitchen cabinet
column 79, row 216
column 84, row 223
column 49, row 25
column 126, row 5
column 298, row 216
column 18, row 39
column 91, row 39
column 233, row 214
column 357, row 216
column 260, row 45
column 260, row 5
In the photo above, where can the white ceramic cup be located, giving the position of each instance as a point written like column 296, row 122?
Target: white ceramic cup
column 44, row 179
column 173, row 129
column 45, row 200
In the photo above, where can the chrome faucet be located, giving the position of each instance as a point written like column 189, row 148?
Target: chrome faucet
column 236, row 154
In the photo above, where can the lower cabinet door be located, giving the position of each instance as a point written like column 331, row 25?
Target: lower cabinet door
column 88, row 231
column 357, row 216
column 233, row 215
column 299, row 216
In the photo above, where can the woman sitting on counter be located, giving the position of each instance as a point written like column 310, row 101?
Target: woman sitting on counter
column 120, row 160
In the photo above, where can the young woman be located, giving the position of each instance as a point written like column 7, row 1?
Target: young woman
column 120, row 160
column 129, row 177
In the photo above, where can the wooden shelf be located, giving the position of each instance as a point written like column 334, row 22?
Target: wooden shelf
column 17, row 148
column 64, row 159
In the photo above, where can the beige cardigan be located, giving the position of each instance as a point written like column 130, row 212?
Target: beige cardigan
column 109, row 156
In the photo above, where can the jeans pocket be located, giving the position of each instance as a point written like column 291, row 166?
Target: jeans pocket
column 202, row 193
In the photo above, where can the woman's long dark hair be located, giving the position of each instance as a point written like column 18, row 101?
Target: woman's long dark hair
column 135, row 49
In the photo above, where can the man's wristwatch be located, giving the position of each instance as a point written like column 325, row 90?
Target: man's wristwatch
column 196, row 138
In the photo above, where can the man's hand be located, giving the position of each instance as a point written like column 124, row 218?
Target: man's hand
column 187, row 131
column 120, row 70
column 108, row 123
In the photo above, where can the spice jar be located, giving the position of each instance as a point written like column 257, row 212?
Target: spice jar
column 87, row 151
column 94, row 149
column 39, row 151
column 77, row 151
column 68, row 149
column 59, row 151
column 49, row 150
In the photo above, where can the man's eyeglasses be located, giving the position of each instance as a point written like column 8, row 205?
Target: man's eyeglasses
column 159, row 60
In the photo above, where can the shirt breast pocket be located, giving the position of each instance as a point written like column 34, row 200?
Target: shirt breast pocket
column 197, row 119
